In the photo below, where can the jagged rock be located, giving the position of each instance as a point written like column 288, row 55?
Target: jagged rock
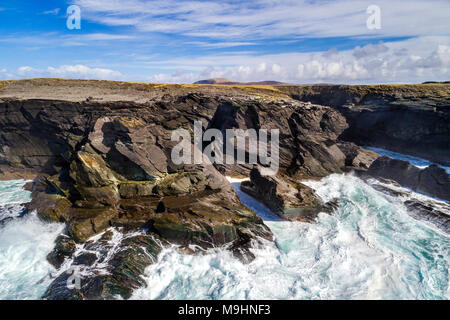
column 308, row 135
column 126, row 265
column 433, row 180
column 85, row 223
column 138, row 189
column 106, row 195
column 290, row 202
column 108, row 164
column 429, row 212
column 410, row 119
column 90, row 169
column 64, row 248
column 357, row 157
column 85, row 259
column 51, row 207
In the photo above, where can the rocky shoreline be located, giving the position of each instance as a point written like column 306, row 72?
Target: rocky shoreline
column 104, row 168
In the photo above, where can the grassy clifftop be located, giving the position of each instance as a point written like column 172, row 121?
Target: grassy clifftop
column 418, row 95
column 411, row 95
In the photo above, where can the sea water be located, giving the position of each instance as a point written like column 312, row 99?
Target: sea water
column 369, row 248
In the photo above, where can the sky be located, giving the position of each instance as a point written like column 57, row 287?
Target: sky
column 165, row 41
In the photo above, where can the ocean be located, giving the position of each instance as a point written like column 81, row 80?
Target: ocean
column 369, row 248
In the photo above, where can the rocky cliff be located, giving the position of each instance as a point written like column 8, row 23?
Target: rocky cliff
column 410, row 119
column 102, row 162
column 100, row 156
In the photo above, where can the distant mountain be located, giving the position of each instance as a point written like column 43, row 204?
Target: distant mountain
column 223, row 81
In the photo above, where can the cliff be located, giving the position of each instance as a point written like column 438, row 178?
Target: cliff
column 410, row 119
column 100, row 156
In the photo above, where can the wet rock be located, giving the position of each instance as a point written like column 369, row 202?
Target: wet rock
column 126, row 265
column 430, row 212
column 85, row 223
column 85, row 259
column 290, row 202
column 357, row 157
column 51, row 207
column 64, row 248
column 433, row 181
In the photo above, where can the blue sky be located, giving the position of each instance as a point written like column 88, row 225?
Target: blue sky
column 300, row 41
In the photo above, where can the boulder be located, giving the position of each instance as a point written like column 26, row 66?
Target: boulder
column 136, row 189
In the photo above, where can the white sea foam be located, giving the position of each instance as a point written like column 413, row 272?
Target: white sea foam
column 370, row 248
column 24, row 245
column 12, row 192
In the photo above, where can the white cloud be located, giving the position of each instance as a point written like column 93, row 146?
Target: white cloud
column 420, row 59
column 55, row 39
column 370, row 50
column 265, row 19
column 54, row 11
column 409, row 61
column 65, row 71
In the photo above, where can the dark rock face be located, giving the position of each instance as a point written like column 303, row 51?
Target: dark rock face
column 308, row 134
column 410, row 119
column 357, row 157
column 430, row 212
column 433, row 180
column 107, row 268
column 64, row 248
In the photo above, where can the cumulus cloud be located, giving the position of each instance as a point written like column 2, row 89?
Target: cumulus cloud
column 370, row 50
column 421, row 59
column 65, row 71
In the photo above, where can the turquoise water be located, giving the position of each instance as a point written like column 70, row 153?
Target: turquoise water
column 370, row 248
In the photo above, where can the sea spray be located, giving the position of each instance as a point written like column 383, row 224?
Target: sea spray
column 370, row 248
column 24, row 245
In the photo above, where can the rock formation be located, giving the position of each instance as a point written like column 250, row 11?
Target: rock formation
column 410, row 119
column 100, row 156
column 433, row 180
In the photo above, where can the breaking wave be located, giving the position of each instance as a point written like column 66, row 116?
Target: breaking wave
column 24, row 244
column 369, row 248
